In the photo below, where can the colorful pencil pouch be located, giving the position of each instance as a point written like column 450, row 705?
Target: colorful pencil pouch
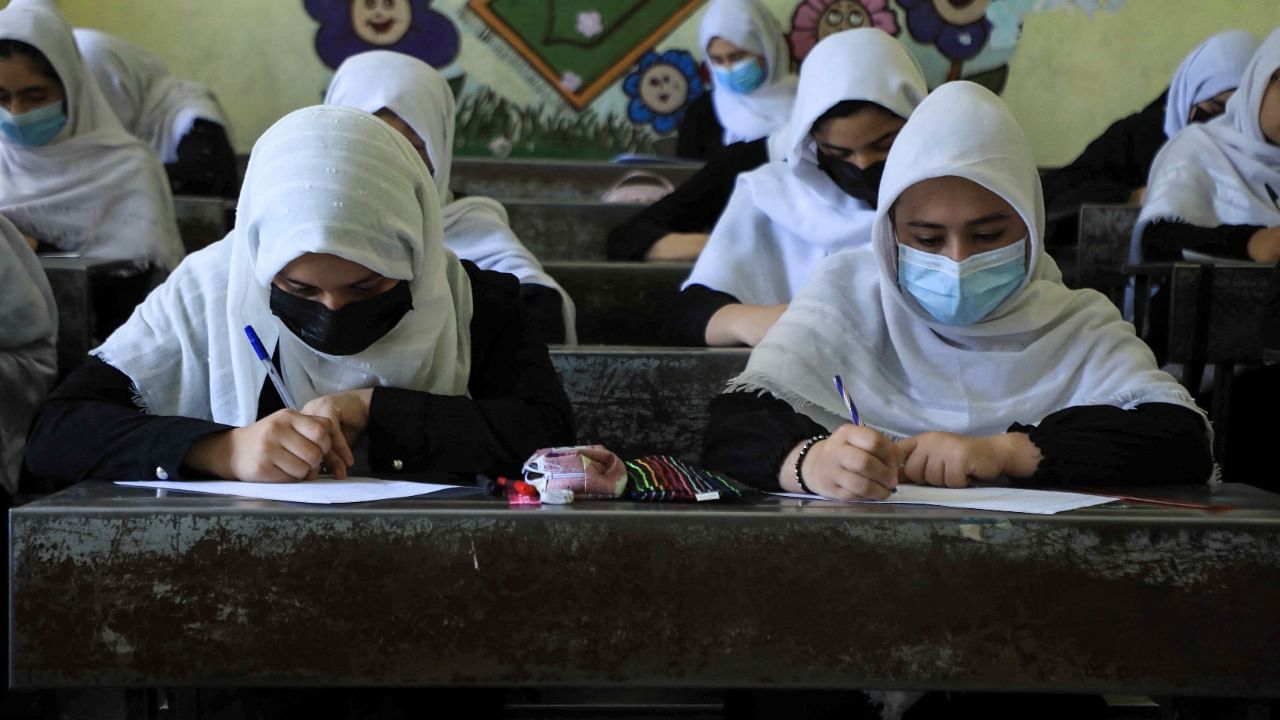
column 664, row 478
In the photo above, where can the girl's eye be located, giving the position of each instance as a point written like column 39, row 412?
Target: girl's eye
column 301, row 290
column 929, row 242
column 988, row 236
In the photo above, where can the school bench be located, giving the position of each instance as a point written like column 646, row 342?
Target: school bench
column 71, row 280
column 621, row 303
column 1102, row 249
column 557, row 230
column 116, row 588
column 640, row 401
column 551, row 179
column 203, row 220
column 1214, row 320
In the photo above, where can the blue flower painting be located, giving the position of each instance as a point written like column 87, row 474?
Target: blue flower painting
column 661, row 87
column 959, row 29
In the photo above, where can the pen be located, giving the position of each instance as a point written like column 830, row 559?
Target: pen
column 848, row 401
column 272, row 373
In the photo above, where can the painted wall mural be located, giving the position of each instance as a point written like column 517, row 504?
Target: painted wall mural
column 602, row 77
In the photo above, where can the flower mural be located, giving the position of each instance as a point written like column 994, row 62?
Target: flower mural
column 348, row 27
column 959, row 29
column 813, row 20
column 661, row 87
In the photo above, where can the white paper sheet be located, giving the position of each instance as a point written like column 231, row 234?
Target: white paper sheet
column 325, row 491
column 1037, row 502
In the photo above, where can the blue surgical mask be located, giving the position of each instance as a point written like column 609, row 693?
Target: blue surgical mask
column 741, row 77
column 33, row 128
column 962, row 293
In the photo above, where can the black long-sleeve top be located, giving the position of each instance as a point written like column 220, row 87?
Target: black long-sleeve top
column 749, row 435
column 1164, row 240
column 1112, row 166
column 694, row 306
column 91, row 428
column 694, row 207
column 700, row 131
column 206, row 163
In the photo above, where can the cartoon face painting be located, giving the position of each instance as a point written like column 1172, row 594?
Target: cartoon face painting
column 663, row 88
column 411, row 27
column 381, row 22
column 961, row 12
column 842, row 15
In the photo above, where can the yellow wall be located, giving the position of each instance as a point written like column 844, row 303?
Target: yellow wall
column 1070, row 76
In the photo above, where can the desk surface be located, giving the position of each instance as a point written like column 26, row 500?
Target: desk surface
column 113, row 586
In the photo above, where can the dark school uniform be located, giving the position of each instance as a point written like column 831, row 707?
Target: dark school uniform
column 693, row 207
column 749, row 435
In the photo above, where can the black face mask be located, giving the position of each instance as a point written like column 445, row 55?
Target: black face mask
column 861, row 184
column 348, row 330
column 1200, row 115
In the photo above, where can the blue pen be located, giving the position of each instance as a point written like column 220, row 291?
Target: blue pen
column 272, row 373
column 848, row 401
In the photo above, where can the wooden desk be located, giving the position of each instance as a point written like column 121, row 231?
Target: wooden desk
column 115, row 587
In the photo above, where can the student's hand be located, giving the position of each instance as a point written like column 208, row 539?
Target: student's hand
column 741, row 324
column 677, row 246
column 31, row 242
column 1264, row 246
column 284, row 446
column 854, row 463
column 347, row 410
column 949, row 460
column 1138, row 196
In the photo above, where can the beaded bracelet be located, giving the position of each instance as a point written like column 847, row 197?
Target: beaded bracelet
column 804, row 450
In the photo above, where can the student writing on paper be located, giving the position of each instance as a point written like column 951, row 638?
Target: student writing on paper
column 28, row 357
column 383, row 336
column 856, row 90
column 416, row 100
column 180, row 119
column 71, row 178
column 1215, row 188
column 752, row 85
column 1114, row 167
column 953, row 332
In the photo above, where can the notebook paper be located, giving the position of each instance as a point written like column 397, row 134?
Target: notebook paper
column 1037, row 502
column 324, row 491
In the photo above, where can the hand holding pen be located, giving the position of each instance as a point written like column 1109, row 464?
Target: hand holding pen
column 854, row 463
column 285, row 446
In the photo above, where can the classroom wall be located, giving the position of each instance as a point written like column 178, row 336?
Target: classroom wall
column 1075, row 67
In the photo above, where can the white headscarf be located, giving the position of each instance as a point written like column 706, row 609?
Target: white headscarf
column 1223, row 172
column 1214, row 67
column 749, row 25
column 1045, row 348
column 151, row 103
column 28, row 354
column 475, row 228
column 786, row 215
column 94, row 189
column 321, row 180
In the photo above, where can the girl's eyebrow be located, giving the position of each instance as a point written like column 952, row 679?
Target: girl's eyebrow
column 993, row 217
column 367, row 278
